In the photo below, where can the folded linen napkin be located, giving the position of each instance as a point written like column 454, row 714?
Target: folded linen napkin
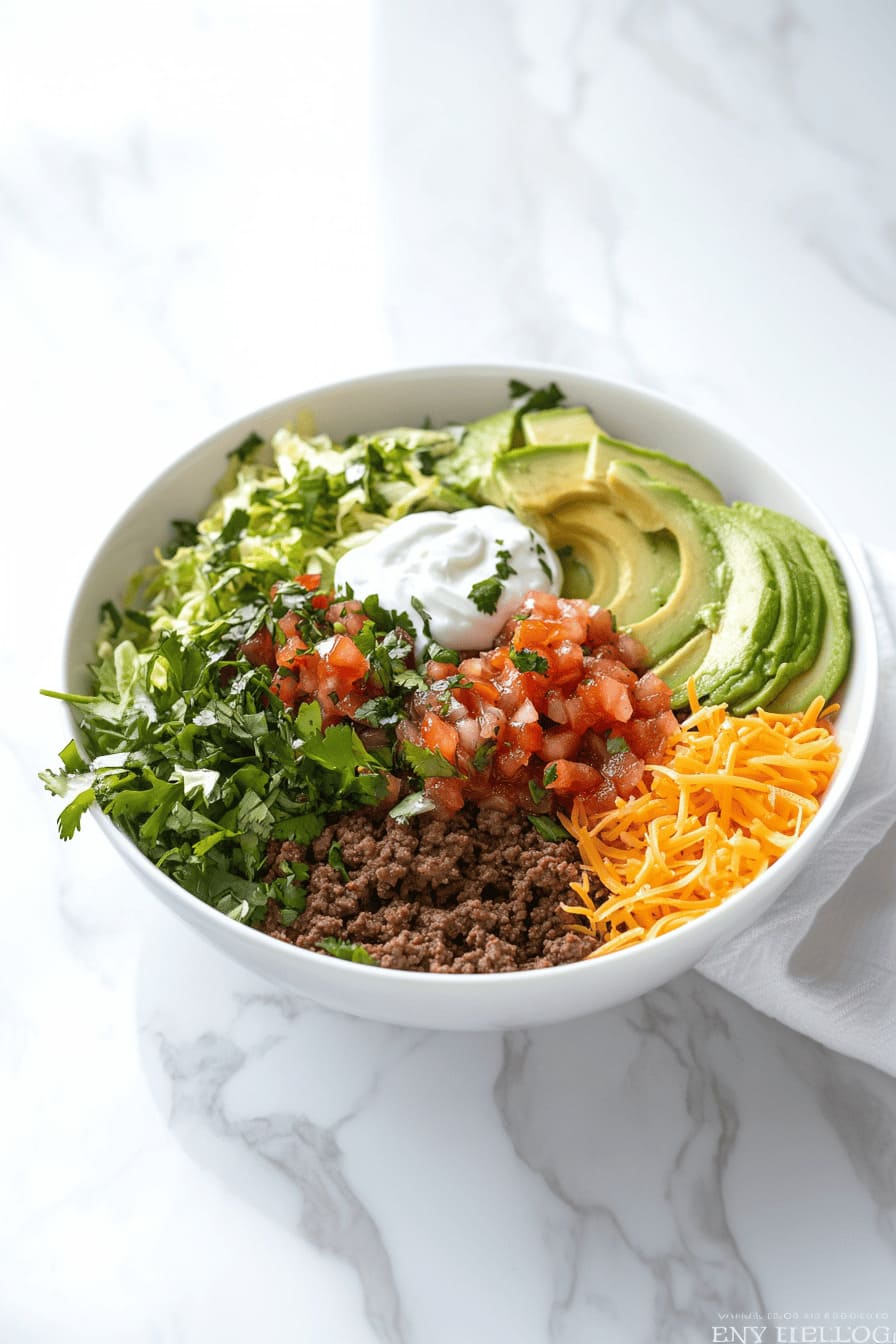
column 823, row 959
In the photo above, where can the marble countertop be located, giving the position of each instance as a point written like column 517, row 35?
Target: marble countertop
column 207, row 207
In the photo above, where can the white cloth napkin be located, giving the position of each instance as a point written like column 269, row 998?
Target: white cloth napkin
column 823, row 960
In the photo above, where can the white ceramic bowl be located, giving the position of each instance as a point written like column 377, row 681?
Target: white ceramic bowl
column 453, row 394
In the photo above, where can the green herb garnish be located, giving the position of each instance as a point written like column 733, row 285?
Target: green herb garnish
column 527, row 660
column 548, row 828
column 336, row 947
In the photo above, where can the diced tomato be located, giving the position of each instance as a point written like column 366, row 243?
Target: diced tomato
column 633, row 652
column 349, row 614
column 533, row 633
column 528, row 720
column 528, row 737
column 600, row 799
column 574, row 614
column 289, row 653
column 600, row 626
column 650, row 696
column 648, row 738
column 447, row 794
column 290, row 624
column 439, row 735
column 510, row 760
column 440, row 671
column 625, row 769
column 606, row 699
column 566, row 663
column 574, row 777
column 345, row 655
column 259, row 648
column 311, row 582
column 605, row 665
column 555, row 706
column 579, row 716
column 559, row 743
column 286, row 688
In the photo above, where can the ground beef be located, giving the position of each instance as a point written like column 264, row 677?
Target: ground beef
column 478, row 892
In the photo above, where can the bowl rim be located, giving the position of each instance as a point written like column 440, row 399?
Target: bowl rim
column 796, row 857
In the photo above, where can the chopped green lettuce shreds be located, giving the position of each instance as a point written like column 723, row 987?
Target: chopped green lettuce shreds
column 181, row 740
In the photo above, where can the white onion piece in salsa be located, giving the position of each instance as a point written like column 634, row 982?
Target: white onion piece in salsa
column 438, row 557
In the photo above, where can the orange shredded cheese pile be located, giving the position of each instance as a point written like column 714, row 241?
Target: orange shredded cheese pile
column 732, row 796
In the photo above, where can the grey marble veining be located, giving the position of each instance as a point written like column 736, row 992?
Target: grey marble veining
column 203, row 208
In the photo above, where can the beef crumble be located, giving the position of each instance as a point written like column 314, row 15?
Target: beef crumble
column 480, row 891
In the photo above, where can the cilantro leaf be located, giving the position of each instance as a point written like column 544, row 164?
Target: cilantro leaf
column 525, row 398
column 426, row 763
column 482, row 755
column 486, row 594
column 616, row 744
column 548, row 828
column 335, row 860
column 527, row 660
column 69, row 819
column 235, row 526
column 337, row 947
column 503, row 567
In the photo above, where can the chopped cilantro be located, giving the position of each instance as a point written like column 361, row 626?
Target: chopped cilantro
column 616, row 744
column 527, row 660
column 548, row 828
column 336, row 947
column 482, row 755
column 69, row 819
column 235, row 526
column 426, row 763
column 550, row 773
column 437, row 654
column 335, row 860
column 503, row 567
column 486, row 594
column 424, row 615
column 525, row 398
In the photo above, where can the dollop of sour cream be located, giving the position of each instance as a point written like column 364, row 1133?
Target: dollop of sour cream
column 438, row 557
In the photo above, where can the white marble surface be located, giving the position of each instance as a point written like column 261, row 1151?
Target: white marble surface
column 209, row 206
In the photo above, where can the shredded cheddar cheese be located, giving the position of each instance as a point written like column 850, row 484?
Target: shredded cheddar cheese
column 732, row 796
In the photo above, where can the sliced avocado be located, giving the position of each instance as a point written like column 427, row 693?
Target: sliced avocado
column 471, row 465
column 587, row 552
column 641, row 562
column 748, row 616
column 667, row 547
column 808, row 603
column 832, row 660
column 702, row 578
column 536, row 480
column 561, row 425
column 683, row 664
column 755, row 668
column 604, row 451
column 578, row 581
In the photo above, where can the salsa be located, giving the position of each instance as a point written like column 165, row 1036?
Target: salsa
column 560, row 708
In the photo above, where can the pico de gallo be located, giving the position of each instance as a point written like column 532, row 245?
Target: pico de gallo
column 559, row 709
